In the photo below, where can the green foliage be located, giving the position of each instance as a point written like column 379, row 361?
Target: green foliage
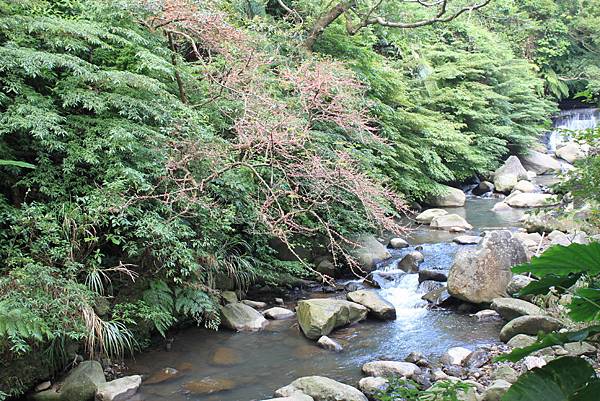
column 408, row 390
column 564, row 260
column 564, row 379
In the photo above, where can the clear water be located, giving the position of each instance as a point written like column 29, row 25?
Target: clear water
column 280, row 354
column 569, row 121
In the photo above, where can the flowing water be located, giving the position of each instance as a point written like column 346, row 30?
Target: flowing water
column 569, row 121
column 258, row 363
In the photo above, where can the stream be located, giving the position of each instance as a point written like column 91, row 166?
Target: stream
column 259, row 363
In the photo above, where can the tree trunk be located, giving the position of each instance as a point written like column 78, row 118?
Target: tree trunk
column 325, row 20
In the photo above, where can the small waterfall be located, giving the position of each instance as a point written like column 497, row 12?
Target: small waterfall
column 569, row 121
column 401, row 290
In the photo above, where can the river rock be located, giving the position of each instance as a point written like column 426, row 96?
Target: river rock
column 531, row 362
column 428, row 286
column 525, row 186
column 559, row 238
column 398, row 243
column 449, row 197
column 410, row 262
column 511, row 308
column 540, row 163
column 433, row 275
column 505, row 372
column 391, row 368
column 229, row 297
column 321, row 389
column 482, row 274
column 430, row 214
column 240, row 317
column 120, row 389
column 255, row 304
column 372, row 385
column 327, row 343
column 326, row 267
column 278, row 313
column 532, row 200
column 295, row 397
column 496, row 390
column 208, row 385
column 487, row 315
column 43, row 386
column 467, row 240
column 507, row 176
column 224, row 356
column 505, row 183
column 455, row 356
column 501, row 207
column 449, row 222
column 378, row 307
column 162, row 376
column 80, row 384
column 483, row 188
column 529, row 325
column 318, row 317
column 476, row 359
column 521, row 341
column 580, row 348
column 517, row 283
column 370, row 252
column 437, row 297
column 571, row 152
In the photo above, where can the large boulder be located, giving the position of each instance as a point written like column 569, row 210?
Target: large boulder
column 241, row 317
column 479, row 275
column 120, row 389
column 378, row 307
column 540, row 163
column 530, row 325
column 318, row 317
column 571, row 152
column 532, row 200
column 449, row 197
column 80, row 384
column 320, row 389
column 278, row 313
column 449, row 222
column 511, row 308
column 525, row 186
column 391, row 368
column 430, row 214
column 483, row 188
column 370, row 252
column 507, row 176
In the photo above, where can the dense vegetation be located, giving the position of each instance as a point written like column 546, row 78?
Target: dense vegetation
column 155, row 153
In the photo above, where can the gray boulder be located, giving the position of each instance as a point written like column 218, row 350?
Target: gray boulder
column 540, row 163
column 483, row 188
column 507, row 176
column 378, row 307
column 429, row 214
column 278, row 313
column 517, row 283
column 530, row 325
column 450, row 222
column 329, row 344
column 369, row 252
column 532, row 200
column 410, row 262
column 372, row 385
column 511, row 308
column 467, row 240
column 241, row 317
column 391, row 368
column 571, row 152
column 398, row 243
column 80, row 384
column 120, row 389
column 479, row 275
column 318, row 317
column 496, row 390
column 321, row 389
column 433, row 275
column 525, row 186
column 521, row 341
column 449, row 197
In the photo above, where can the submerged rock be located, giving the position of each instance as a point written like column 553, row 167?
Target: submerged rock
column 430, row 214
column 450, row 222
column 162, row 376
column 482, row 274
column 450, row 197
column 240, row 317
column 321, row 389
column 318, row 317
column 208, row 385
column 328, row 343
column 511, row 308
column 378, row 307
column 529, row 325
column 224, row 356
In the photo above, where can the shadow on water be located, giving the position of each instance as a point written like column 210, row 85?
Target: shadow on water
column 256, row 364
